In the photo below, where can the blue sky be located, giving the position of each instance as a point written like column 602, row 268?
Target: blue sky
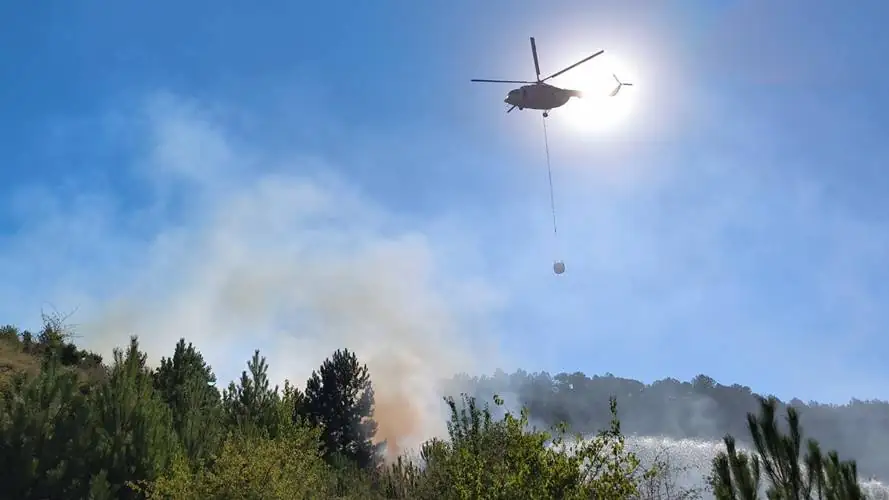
column 299, row 177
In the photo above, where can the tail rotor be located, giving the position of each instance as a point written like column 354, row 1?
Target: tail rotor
column 619, row 85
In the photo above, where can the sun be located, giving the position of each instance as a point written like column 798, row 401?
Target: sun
column 596, row 111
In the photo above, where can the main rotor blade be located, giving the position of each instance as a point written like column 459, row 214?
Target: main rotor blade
column 502, row 81
column 578, row 63
column 536, row 64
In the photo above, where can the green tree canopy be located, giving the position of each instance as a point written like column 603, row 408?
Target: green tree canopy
column 133, row 434
column 186, row 383
column 503, row 459
column 340, row 399
column 252, row 406
column 45, row 439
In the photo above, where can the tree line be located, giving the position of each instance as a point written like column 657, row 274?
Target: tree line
column 697, row 409
column 75, row 426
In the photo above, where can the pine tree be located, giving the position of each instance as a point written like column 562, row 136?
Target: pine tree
column 186, row 384
column 339, row 398
column 737, row 475
column 252, row 406
column 134, row 435
column 44, row 449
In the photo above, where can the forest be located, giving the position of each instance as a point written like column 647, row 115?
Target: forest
column 73, row 425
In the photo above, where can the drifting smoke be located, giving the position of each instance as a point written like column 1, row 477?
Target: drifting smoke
column 689, row 462
column 676, row 425
column 295, row 265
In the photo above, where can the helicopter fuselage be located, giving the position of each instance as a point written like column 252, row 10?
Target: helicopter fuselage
column 539, row 96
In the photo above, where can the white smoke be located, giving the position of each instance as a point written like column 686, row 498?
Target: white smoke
column 690, row 460
column 236, row 250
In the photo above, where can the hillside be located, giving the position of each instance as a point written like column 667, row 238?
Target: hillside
column 13, row 359
column 700, row 409
column 22, row 352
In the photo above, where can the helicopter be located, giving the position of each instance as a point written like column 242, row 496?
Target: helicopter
column 541, row 95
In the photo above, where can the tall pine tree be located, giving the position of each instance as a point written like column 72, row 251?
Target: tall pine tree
column 339, row 398
column 253, row 407
column 186, row 383
column 133, row 437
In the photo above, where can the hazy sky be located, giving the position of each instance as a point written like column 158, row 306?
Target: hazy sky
column 298, row 178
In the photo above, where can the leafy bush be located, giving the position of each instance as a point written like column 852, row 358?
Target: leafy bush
column 252, row 466
column 485, row 458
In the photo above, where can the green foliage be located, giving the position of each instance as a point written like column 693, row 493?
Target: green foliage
column 186, row 384
column 9, row 334
column 21, row 352
column 44, row 436
column 253, row 407
column 53, row 342
column 133, row 434
column 252, row 467
column 60, row 441
column 737, row 475
column 75, row 428
column 502, row 459
column 340, row 399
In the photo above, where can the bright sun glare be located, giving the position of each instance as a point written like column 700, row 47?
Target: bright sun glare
column 596, row 110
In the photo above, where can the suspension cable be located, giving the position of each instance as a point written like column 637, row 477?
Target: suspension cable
column 549, row 171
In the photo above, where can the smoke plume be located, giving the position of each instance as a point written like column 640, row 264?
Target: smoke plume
column 237, row 250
